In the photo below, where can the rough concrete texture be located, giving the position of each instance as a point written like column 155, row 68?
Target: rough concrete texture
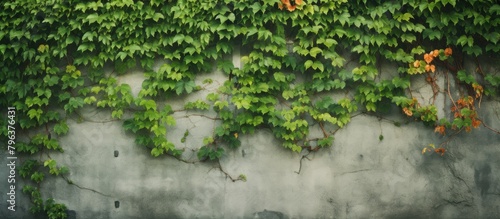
column 359, row 176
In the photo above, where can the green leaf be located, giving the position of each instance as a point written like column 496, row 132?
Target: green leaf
column 170, row 120
column 189, row 86
column 329, row 42
column 64, row 96
column 91, row 18
column 148, row 104
column 308, row 64
column 51, row 144
column 262, row 87
column 225, row 65
column 255, row 7
column 474, row 50
column 464, row 77
column 179, row 38
column 117, row 113
column 208, row 140
column 404, row 17
column 122, row 55
column 325, row 142
column 370, row 106
column 221, row 104
column 231, row 17
column 158, row 16
column 61, row 128
column 288, row 94
column 37, row 177
column 314, row 51
column 317, row 65
column 3, row 47
column 155, row 152
column 495, row 9
column 132, row 48
column 74, row 103
column 199, row 104
column 279, row 77
column 458, row 122
column 51, row 80
column 242, row 103
column 343, row 18
column 463, row 40
column 35, row 113
column 401, row 83
column 158, row 130
column 338, row 61
column 212, row 97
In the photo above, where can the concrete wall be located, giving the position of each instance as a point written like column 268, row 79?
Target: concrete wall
column 359, row 176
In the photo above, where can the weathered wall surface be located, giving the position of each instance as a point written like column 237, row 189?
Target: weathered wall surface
column 359, row 176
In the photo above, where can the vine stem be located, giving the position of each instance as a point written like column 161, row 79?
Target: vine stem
column 434, row 85
column 195, row 114
column 94, row 121
column 479, row 68
column 226, row 173
column 302, row 158
column 323, row 129
column 489, row 127
column 182, row 160
column 448, row 90
column 450, row 137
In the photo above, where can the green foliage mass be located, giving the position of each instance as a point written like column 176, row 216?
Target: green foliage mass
column 53, row 53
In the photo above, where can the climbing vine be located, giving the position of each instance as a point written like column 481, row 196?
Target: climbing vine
column 295, row 55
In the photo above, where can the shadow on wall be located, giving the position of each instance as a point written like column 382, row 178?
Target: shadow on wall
column 482, row 178
column 270, row 215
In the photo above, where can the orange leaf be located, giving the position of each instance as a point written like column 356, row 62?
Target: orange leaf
column 461, row 102
column 280, row 6
column 476, row 123
column 448, row 51
column 428, row 58
column 427, row 67
column 416, row 64
column 435, row 53
column 440, row 151
column 298, row 2
column 440, row 129
column 433, row 68
column 470, row 100
column 478, row 88
column 291, row 7
column 407, row 111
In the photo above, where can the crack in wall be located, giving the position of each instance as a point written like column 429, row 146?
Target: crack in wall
column 460, row 203
column 467, row 202
column 493, row 193
column 453, row 172
column 350, row 172
column 85, row 188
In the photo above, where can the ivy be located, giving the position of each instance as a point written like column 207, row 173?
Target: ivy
column 294, row 57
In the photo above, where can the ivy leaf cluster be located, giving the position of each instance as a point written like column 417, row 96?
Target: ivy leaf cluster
column 293, row 58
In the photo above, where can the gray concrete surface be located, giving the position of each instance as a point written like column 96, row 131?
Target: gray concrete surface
column 359, row 176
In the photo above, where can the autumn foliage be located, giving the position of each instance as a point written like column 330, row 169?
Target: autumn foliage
column 290, row 5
